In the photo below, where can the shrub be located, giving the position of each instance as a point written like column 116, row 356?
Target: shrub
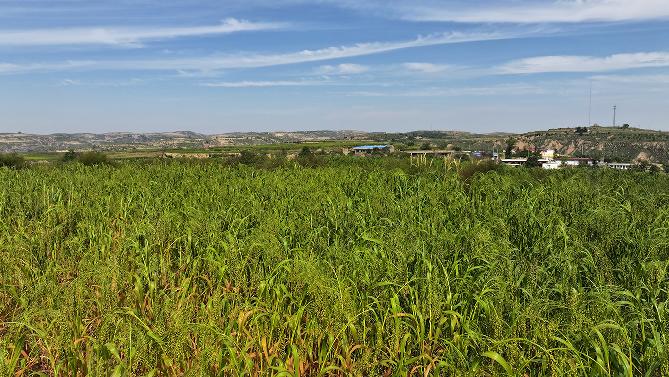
column 468, row 171
column 70, row 155
column 247, row 157
column 305, row 152
column 533, row 162
column 12, row 160
column 92, row 158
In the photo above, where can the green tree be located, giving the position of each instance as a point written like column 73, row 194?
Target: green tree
column 642, row 166
column 533, row 161
column 305, row 152
column 307, row 158
column 70, row 155
column 92, row 158
column 581, row 130
column 247, row 157
column 11, row 160
column 510, row 145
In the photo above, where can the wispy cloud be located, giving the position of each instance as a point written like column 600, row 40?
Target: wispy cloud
column 634, row 79
column 105, row 83
column 342, row 69
column 428, row 68
column 545, row 64
column 10, row 68
column 506, row 89
column 514, row 11
column 124, row 36
column 532, row 11
column 262, row 84
column 306, row 56
column 236, row 61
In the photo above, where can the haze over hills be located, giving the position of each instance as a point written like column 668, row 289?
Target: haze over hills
column 596, row 141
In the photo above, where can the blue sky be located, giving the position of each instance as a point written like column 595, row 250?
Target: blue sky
column 262, row 65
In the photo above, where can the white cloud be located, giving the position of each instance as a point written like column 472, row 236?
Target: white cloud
column 123, row 36
column 330, row 53
column 633, row 79
column 342, row 69
column 505, row 89
column 220, row 62
column 502, row 11
column 70, row 82
column 261, row 84
column 9, row 68
column 544, row 64
column 427, row 68
column 107, row 83
column 522, row 12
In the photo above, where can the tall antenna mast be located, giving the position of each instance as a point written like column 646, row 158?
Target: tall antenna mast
column 590, row 107
column 614, row 115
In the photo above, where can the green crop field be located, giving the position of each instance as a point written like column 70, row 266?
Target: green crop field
column 356, row 268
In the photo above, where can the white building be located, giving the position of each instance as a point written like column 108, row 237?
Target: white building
column 619, row 165
column 577, row 161
column 514, row 161
column 551, row 165
column 548, row 154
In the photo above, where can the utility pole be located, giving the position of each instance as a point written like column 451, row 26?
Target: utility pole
column 614, row 115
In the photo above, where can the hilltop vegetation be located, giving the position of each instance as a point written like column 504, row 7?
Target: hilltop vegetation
column 624, row 144
column 362, row 267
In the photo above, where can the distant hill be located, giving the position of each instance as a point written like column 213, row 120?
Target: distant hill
column 124, row 141
column 20, row 142
column 602, row 142
column 623, row 144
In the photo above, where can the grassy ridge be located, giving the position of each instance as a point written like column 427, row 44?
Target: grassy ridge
column 199, row 269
